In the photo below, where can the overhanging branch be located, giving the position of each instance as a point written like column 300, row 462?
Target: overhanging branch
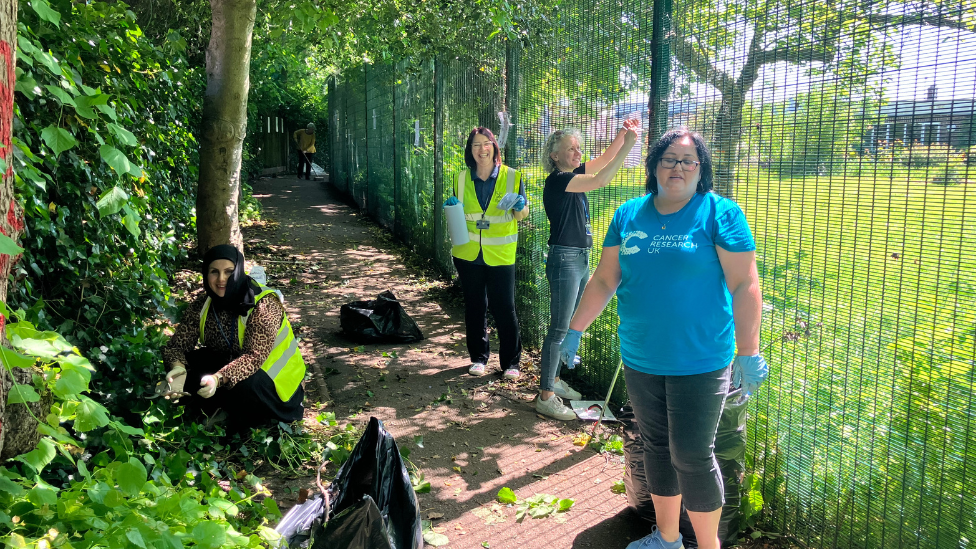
column 923, row 20
column 699, row 63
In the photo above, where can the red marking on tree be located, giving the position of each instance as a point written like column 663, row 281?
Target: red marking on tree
column 14, row 218
column 6, row 104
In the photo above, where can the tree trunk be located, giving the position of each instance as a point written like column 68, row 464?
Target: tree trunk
column 12, row 425
column 224, row 123
column 725, row 143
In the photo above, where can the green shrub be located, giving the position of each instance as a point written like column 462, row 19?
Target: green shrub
column 131, row 492
column 106, row 169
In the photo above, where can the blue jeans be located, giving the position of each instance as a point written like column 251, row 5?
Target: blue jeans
column 567, row 269
column 678, row 418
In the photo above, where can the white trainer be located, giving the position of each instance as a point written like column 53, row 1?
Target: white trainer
column 554, row 408
column 565, row 391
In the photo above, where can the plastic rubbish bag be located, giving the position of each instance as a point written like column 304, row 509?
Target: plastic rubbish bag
column 361, row 526
column 730, row 451
column 508, row 201
column 373, row 472
column 259, row 275
column 381, row 320
column 297, row 524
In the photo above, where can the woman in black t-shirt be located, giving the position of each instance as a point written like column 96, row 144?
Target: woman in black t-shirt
column 570, row 239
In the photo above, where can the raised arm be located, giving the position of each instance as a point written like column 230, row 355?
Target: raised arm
column 599, row 290
column 581, row 183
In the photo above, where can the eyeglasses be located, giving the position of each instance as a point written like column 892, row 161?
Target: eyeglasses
column 686, row 165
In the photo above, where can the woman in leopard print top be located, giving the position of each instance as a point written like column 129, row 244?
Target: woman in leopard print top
column 228, row 374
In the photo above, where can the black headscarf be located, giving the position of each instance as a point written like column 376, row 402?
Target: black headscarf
column 238, row 298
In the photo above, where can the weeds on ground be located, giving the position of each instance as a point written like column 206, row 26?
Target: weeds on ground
column 538, row 506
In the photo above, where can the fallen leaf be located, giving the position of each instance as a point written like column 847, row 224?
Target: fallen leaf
column 434, row 515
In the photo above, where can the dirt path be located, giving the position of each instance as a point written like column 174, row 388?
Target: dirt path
column 479, row 434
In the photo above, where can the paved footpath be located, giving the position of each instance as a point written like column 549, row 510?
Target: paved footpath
column 478, row 434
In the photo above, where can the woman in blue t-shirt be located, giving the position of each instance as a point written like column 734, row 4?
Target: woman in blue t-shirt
column 570, row 239
column 682, row 262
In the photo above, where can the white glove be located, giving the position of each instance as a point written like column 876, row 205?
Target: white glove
column 175, row 379
column 208, row 386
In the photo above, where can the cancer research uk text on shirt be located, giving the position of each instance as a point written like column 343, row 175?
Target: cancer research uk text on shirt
column 675, row 309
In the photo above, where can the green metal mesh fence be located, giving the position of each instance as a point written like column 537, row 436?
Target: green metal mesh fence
column 847, row 133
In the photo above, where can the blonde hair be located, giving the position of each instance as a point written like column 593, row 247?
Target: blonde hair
column 555, row 138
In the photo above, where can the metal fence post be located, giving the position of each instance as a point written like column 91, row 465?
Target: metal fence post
column 438, row 158
column 657, row 102
column 512, row 84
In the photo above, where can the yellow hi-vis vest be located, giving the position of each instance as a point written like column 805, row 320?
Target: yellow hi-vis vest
column 499, row 240
column 284, row 364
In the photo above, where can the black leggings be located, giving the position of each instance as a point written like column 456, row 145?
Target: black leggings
column 486, row 287
column 250, row 403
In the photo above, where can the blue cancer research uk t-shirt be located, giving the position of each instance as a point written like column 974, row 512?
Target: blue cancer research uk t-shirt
column 675, row 309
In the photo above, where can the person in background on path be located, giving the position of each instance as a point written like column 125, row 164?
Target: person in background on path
column 248, row 368
column 494, row 201
column 570, row 239
column 682, row 262
column 305, row 139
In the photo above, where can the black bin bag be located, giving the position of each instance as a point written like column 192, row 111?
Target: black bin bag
column 730, row 451
column 380, row 320
column 371, row 499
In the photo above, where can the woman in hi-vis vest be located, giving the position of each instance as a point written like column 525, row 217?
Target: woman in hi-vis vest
column 248, row 369
column 494, row 201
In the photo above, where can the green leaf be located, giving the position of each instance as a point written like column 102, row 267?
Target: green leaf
column 70, row 382
column 90, row 415
column 272, row 507
column 209, row 534
column 84, row 104
column 131, row 221
column 11, row 487
column 8, row 246
column 20, row 393
column 540, row 511
column 114, row 157
column 433, row 538
column 39, row 457
column 114, row 498
column 619, row 487
column 58, row 139
column 112, row 200
column 131, row 477
column 418, row 440
column 124, row 135
column 46, row 12
column 40, row 496
column 506, row 495
column 223, row 507
column 135, row 537
column 565, row 504
column 62, row 95
column 57, row 435
column 27, row 86
column 77, row 361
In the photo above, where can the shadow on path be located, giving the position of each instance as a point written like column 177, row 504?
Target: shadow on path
column 477, row 434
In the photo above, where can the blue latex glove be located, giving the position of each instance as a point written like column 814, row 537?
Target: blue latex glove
column 519, row 204
column 451, row 201
column 749, row 372
column 569, row 347
column 508, row 201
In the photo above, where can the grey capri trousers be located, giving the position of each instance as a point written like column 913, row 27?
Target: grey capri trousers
column 678, row 418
